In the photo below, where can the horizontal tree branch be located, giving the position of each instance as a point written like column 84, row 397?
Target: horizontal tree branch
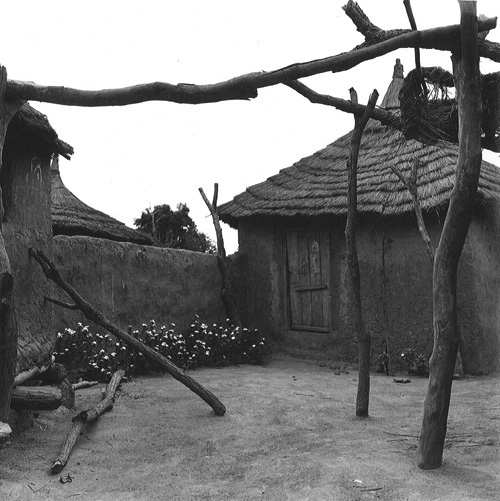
column 383, row 116
column 244, row 86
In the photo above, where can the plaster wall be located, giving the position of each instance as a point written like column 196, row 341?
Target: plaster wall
column 26, row 198
column 396, row 283
column 132, row 284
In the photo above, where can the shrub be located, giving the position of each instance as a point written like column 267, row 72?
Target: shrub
column 417, row 363
column 97, row 356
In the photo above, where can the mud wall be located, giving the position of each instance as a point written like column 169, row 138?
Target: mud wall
column 26, row 198
column 396, row 282
column 132, row 284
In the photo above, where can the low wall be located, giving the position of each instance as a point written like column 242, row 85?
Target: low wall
column 132, row 284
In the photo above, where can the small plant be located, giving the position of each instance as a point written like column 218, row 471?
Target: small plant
column 97, row 356
column 417, row 363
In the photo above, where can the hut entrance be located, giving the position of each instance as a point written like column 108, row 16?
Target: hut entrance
column 308, row 278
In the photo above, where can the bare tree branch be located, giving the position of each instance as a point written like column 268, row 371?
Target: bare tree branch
column 244, row 86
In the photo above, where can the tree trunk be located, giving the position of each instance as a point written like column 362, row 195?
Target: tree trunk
column 8, row 327
column 353, row 284
column 446, row 335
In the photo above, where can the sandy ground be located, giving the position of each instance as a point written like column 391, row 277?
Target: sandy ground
column 289, row 434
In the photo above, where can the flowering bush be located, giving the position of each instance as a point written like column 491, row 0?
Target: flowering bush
column 97, row 356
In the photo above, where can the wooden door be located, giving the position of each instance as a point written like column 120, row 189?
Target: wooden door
column 308, row 274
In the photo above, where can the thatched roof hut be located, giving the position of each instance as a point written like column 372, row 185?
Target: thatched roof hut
column 30, row 143
column 292, row 248
column 317, row 185
column 30, row 131
column 71, row 216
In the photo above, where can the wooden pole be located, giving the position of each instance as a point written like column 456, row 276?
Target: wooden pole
column 52, row 273
column 8, row 327
column 228, row 296
column 353, row 282
column 456, row 225
column 84, row 417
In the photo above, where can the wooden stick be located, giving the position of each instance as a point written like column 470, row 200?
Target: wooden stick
column 228, row 296
column 87, row 417
column 22, row 377
column 84, row 384
column 52, row 273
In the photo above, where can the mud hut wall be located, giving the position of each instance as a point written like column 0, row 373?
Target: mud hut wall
column 396, row 288
column 262, row 284
column 26, row 197
column 396, row 274
column 132, row 284
column 479, row 295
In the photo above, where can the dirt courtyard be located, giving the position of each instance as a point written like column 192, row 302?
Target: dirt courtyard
column 289, row 434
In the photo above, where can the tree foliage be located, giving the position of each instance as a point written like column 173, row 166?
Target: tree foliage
column 174, row 229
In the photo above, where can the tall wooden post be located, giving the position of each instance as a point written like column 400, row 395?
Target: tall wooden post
column 353, row 282
column 456, row 225
column 8, row 329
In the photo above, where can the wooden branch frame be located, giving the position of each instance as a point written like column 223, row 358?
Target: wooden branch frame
column 246, row 86
column 52, row 273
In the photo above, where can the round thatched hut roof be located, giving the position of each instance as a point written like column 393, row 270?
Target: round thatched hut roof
column 29, row 131
column 317, row 185
column 70, row 216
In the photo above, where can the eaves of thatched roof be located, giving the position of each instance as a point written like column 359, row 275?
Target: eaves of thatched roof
column 70, row 216
column 30, row 131
column 317, row 185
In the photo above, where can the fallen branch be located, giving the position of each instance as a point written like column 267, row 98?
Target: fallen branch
column 52, row 273
column 84, row 384
column 87, row 417
column 45, row 398
column 22, row 377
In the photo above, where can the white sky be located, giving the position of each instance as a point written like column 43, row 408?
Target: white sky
column 130, row 158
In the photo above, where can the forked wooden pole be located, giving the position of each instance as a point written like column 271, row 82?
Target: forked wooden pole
column 85, row 417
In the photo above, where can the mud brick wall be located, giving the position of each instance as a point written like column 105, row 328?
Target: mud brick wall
column 26, row 197
column 132, row 284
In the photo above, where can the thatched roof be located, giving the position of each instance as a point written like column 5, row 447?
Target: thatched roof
column 70, row 216
column 317, row 185
column 30, row 131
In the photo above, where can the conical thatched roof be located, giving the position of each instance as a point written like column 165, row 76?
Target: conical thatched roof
column 30, row 131
column 317, row 185
column 70, row 216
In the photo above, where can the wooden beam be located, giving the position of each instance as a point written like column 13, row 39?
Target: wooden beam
column 243, row 86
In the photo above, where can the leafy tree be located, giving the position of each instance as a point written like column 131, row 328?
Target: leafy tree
column 174, row 229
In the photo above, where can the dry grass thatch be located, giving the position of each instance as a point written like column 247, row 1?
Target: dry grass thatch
column 30, row 132
column 70, row 216
column 317, row 185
